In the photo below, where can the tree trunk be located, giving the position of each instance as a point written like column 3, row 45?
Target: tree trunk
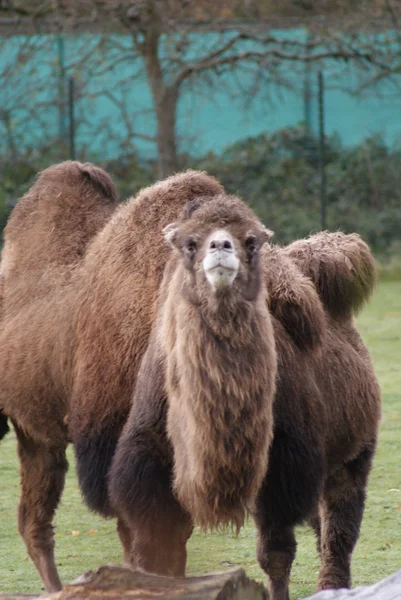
column 165, row 103
column 166, row 134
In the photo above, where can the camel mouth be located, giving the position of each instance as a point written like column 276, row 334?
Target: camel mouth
column 221, row 275
column 223, row 267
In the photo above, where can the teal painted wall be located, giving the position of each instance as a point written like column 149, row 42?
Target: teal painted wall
column 209, row 118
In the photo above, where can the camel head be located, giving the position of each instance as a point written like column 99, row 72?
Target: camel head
column 219, row 240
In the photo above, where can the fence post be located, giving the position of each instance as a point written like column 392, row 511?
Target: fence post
column 61, row 92
column 71, row 100
column 307, row 88
column 322, row 166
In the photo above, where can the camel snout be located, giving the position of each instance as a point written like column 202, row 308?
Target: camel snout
column 222, row 243
column 221, row 263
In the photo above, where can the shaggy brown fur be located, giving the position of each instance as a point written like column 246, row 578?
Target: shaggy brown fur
column 326, row 415
column 1, row 292
column 4, row 429
column 60, row 296
column 293, row 299
column 41, row 256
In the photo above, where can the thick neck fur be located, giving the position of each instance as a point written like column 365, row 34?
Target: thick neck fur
column 232, row 319
column 221, row 369
column 230, row 314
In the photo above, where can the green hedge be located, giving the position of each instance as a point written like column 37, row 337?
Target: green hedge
column 277, row 175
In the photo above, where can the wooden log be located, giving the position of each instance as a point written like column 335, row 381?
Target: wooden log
column 385, row 589
column 19, row 596
column 124, row 583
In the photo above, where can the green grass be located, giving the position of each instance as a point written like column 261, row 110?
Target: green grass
column 85, row 541
column 389, row 268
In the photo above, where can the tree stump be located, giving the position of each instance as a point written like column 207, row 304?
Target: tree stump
column 124, row 583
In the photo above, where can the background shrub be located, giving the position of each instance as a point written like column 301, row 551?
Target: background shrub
column 277, row 174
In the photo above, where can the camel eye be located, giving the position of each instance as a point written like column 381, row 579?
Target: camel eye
column 251, row 245
column 190, row 246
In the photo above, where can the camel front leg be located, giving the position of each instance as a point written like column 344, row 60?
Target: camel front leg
column 159, row 542
column 288, row 496
column 42, row 473
column 152, row 525
column 276, row 552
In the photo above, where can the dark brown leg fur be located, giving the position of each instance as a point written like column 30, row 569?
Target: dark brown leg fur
column 341, row 512
column 124, row 533
column 159, row 542
column 289, row 495
column 42, row 480
column 314, row 522
column 276, row 552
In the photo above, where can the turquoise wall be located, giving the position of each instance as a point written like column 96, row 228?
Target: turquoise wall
column 209, row 118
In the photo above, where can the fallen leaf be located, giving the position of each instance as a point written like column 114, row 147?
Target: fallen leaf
column 92, row 531
column 74, row 532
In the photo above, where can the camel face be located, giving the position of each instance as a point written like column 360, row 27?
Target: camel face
column 219, row 244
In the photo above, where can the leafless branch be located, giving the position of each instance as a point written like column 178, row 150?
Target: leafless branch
column 127, row 117
column 263, row 57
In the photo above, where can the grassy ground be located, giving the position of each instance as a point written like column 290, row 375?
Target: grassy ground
column 85, row 541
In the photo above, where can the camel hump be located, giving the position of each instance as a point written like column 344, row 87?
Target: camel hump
column 98, row 179
column 342, row 268
column 72, row 173
column 61, row 198
column 50, row 227
column 59, row 215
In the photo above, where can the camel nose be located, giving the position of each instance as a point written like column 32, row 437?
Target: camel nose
column 221, row 243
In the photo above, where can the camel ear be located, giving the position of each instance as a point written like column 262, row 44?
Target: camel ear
column 170, row 234
column 261, row 237
column 267, row 234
